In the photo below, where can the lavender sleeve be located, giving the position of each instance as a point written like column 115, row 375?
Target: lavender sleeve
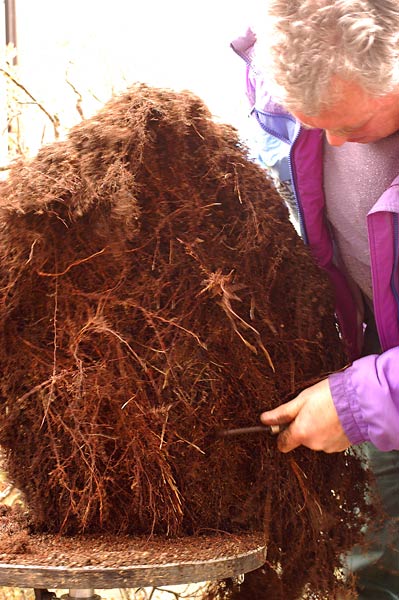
column 366, row 397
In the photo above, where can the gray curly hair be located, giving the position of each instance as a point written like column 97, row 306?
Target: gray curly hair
column 306, row 42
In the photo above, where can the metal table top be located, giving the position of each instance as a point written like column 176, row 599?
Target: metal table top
column 167, row 571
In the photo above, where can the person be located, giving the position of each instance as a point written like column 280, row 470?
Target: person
column 322, row 79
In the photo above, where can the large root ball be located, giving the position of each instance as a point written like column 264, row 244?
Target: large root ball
column 155, row 292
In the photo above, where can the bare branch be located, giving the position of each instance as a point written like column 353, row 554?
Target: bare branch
column 79, row 99
column 53, row 118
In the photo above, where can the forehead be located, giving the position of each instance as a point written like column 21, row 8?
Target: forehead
column 352, row 108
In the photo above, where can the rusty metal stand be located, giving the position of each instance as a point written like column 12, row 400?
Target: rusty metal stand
column 73, row 594
column 81, row 594
column 83, row 581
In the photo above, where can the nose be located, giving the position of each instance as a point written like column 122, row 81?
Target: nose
column 335, row 140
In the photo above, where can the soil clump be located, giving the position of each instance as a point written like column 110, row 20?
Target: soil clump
column 155, row 292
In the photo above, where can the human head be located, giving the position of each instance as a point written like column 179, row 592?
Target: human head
column 355, row 115
column 306, row 43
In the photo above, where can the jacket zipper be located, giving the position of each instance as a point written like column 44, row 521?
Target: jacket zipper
column 394, row 288
column 304, row 234
column 291, row 169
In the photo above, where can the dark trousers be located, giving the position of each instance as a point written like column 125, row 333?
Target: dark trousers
column 377, row 570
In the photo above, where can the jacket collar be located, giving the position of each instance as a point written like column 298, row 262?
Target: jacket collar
column 244, row 44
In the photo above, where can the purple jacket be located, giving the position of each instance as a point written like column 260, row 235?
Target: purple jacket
column 366, row 394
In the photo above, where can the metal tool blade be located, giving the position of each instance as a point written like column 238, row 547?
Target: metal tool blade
column 271, row 429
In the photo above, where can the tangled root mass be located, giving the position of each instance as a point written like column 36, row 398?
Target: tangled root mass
column 153, row 293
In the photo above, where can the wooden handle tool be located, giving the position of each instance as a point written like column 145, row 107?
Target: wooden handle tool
column 273, row 429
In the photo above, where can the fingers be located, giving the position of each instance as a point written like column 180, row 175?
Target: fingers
column 286, row 441
column 311, row 420
column 284, row 415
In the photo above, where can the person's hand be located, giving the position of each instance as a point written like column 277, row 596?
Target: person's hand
column 312, row 421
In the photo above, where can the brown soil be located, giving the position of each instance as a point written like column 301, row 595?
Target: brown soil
column 111, row 551
column 153, row 293
column 19, row 546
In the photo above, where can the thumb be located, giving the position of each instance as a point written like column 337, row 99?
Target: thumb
column 283, row 414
